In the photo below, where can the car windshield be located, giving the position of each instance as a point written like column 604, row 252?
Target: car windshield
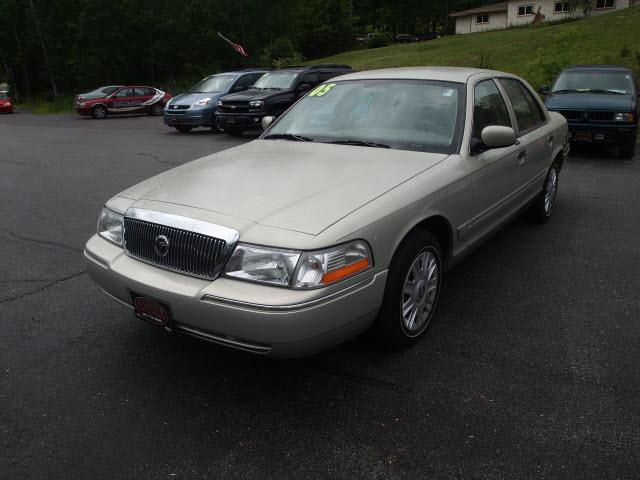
column 100, row 92
column 419, row 115
column 216, row 83
column 594, row 81
column 276, row 80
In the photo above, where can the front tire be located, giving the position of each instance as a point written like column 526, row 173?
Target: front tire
column 412, row 291
column 234, row 132
column 627, row 148
column 156, row 109
column 99, row 112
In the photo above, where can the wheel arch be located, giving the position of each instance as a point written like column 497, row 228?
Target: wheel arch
column 438, row 226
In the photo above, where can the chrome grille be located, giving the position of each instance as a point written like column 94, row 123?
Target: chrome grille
column 187, row 252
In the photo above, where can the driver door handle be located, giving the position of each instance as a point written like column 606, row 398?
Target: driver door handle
column 522, row 154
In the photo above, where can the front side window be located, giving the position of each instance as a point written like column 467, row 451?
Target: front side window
column 605, row 4
column 245, row 82
column 311, row 79
column 528, row 112
column 489, row 108
column 525, row 10
column 594, row 81
column 561, row 7
column 418, row 115
column 482, row 19
column 125, row 92
column 280, row 80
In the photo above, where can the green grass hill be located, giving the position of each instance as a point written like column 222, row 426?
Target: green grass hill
column 536, row 53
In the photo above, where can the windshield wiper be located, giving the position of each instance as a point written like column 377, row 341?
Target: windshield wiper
column 288, row 136
column 359, row 143
column 604, row 90
column 566, row 90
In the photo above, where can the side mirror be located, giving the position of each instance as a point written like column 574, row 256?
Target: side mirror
column 267, row 121
column 495, row 136
column 239, row 89
column 303, row 87
column 544, row 90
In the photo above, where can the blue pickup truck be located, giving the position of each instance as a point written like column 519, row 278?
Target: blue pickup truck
column 600, row 103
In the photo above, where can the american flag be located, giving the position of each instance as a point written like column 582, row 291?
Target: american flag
column 236, row 46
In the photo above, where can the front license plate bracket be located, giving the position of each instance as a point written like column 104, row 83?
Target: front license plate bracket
column 152, row 311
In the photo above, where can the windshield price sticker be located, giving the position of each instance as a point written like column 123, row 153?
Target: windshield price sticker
column 322, row 90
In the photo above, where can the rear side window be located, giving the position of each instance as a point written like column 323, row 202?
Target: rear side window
column 528, row 113
column 489, row 107
column 140, row 92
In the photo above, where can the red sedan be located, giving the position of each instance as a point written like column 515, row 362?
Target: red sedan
column 119, row 99
column 6, row 103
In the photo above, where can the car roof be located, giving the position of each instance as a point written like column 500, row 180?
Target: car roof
column 241, row 72
column 445, row 74
column 621, row 68
column 318, row 66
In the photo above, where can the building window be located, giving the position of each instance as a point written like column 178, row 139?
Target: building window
column 561, row 7
column 524, row 10
column 482, row 18
column 600, row 4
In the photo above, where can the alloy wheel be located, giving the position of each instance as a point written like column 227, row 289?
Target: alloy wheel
column 420, row 292
column 551, row 190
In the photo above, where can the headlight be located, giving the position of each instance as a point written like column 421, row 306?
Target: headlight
column 201, row 103
column 256, row 103
column 110, row 226
column 299, row 270
column 264, row 265
column 219, row 103
column 623, row 117
column 317, row 269
column 81, row 104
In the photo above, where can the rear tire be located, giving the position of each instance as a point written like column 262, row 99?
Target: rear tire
column 542, row 208
column 234, row 132
column 412, row 290
column 627, row 148
column 183, row 129
column 99, row 112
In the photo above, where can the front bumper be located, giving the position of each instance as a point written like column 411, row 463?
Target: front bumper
column 194, row 118
column 251, row 317
column 601, row 132
column 240, row 120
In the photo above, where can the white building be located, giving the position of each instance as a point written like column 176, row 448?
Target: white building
column 520, row 12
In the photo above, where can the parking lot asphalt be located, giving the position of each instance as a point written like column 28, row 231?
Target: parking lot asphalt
column 529, row 371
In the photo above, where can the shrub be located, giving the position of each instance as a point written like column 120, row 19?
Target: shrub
column 379, row 40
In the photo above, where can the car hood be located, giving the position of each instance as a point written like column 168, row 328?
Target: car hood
column 302, row 187
column 189, row 98
column 253, row 94
column 590, row 101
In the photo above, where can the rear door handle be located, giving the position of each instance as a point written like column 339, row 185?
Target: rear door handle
column 521, row 156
